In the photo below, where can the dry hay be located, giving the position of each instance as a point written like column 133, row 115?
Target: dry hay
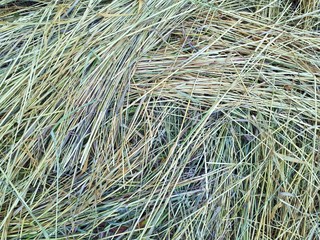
column 179, row 120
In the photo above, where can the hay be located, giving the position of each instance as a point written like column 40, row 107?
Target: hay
column 159, row 119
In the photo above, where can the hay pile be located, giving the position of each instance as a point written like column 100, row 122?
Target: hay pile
column 159, row 119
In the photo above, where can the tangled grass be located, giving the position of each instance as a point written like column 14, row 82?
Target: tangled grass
column 159, row 119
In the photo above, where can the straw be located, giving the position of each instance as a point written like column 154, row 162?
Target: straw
column 159, row 119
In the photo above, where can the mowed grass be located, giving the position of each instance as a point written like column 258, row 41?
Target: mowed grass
column 159, row 119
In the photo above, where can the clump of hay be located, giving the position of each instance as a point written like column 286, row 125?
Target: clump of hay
column 159, row 119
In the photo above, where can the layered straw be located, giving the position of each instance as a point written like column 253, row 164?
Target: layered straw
column 159, row 119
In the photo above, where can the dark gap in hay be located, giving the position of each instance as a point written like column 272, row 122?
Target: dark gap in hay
column 294, row 4
column 121, row 217
column 91, row 66
column 94, row 23
column 22, row 3
column 106, row 1
column 43, row 142
column 4, row 65
column 14, row 10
